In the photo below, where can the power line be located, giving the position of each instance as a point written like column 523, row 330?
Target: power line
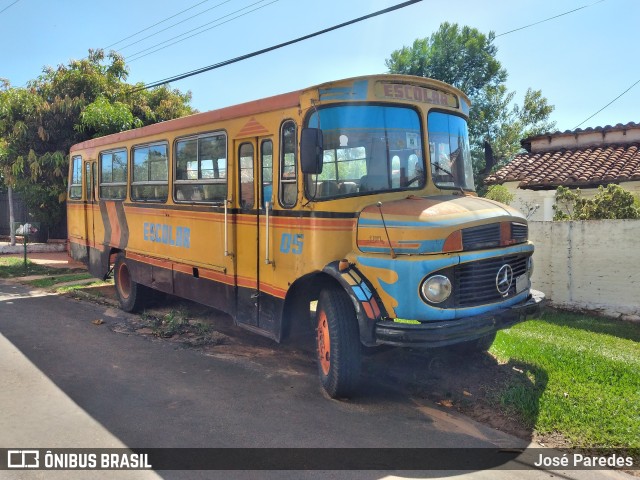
column 560, row 15
column 274, row 47
column 138, row 56
column 160, row 22
column 9, row 6
column 567, row 13
column 608, row 104
column 170, row 26
column 550, row 18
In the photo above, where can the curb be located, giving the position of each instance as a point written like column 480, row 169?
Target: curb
column 32, row 248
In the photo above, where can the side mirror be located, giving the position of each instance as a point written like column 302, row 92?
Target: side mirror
column 311, row 151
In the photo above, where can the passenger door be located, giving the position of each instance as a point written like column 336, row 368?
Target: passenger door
column 253, row 246
column 90, row 203
column 246, row 233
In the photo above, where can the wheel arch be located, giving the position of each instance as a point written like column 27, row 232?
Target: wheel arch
column 367, row 306
column 296, row 307
column 110, row 259
column 100, row 262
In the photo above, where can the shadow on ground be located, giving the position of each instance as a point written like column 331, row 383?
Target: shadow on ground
column 476, row 385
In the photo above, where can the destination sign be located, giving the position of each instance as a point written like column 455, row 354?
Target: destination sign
column 414, row 93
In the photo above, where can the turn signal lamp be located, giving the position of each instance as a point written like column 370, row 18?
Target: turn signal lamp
column 453, row 243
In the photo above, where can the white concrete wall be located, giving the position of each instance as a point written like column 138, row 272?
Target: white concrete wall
column 592, row 265
column 537, row 205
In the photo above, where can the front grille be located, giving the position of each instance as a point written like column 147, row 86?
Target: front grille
column 483, row 236
column 475, row 282
column 489, row 236
column 519, row 232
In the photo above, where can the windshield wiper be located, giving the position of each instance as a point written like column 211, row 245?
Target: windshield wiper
column 384, row 224
column 440, row 167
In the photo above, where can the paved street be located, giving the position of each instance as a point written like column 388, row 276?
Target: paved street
column 67, row 382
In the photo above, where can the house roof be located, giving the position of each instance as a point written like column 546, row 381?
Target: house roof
column 572, row 159
column 581, row 132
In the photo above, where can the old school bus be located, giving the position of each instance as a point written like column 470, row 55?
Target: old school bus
column 357, row 193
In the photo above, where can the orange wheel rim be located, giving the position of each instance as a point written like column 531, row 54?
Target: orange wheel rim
column 324, row 344
column 124, row 281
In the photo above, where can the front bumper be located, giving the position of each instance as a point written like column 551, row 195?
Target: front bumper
column 449, row 332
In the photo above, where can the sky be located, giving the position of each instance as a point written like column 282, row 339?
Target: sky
column 580, row 61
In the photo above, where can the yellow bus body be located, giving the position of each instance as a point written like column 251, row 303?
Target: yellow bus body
column 270, row 238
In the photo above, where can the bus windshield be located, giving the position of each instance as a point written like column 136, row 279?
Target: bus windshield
column 450, row 157
column 367, row 149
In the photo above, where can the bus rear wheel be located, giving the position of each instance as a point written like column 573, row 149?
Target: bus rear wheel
column 338, row 343
column 131, row 295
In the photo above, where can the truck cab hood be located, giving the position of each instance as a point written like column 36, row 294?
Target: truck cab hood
column 443, row 223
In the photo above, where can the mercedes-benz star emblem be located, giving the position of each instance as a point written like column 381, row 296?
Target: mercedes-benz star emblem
column 504, row 278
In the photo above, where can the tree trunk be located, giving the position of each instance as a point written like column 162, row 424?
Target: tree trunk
column 11, row 219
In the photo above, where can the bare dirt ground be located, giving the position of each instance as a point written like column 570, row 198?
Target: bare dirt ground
column 435, row 377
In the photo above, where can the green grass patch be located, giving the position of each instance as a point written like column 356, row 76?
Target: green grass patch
column 84, row 286
column 15, row 267
column 580, row 377
column 52, row 280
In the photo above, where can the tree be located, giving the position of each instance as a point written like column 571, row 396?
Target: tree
column 496, row 119
column 613, row 202
column 69, row 104
column 466, row 58
column 462, row 57
column 499, row 193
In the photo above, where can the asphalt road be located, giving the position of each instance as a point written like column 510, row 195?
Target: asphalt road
column 67, row 382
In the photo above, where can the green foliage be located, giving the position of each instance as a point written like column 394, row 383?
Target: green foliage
column 466, row 58
column 610, row 203
column 105, row 117
column 14, row 267
column 173, row 323
column 500, row 193
column 574, row 367
column 53, row 280
column 496, row 118
column 67, row 105
column 463, row 57
column 566, row 202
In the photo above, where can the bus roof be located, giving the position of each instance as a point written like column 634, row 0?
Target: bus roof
column 254, row 107
column 286, row 100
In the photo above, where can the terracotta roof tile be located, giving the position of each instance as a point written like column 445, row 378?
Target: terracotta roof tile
column 572, row 167
column 607, row 128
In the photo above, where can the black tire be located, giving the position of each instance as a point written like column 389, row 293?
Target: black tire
column 131, row 295
column 479, row 345
column 337, row 343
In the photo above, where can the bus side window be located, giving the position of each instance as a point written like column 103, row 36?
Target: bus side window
column 75, row 186
column 288, row 165
column 267, row 172
column 113, row 175
column 201, row 168
column 150, row 173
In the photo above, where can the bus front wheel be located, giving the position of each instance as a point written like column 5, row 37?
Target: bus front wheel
column 131, row 295
column 338, row 343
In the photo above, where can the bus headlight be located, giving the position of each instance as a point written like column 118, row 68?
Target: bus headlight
column 530, row 266
column 436, row 289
